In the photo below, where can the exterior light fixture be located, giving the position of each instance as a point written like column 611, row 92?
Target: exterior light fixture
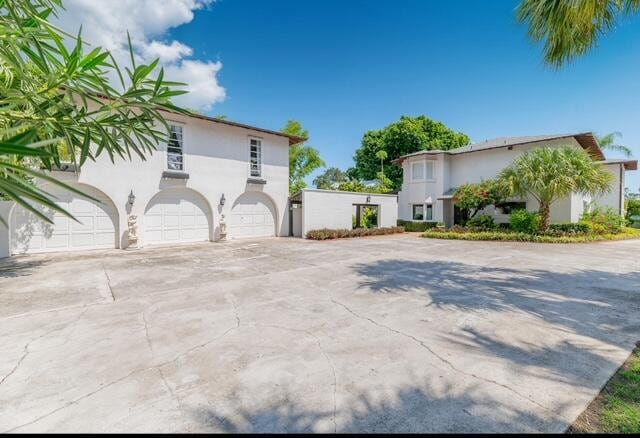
column 132, row 198
column 222, row 199
column 368, row 198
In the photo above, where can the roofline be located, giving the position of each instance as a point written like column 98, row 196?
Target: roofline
column 293, row 139
column 587, row 140
column 628, row 164
column 395, row 195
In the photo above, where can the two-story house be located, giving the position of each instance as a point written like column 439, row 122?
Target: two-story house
column 430, row 178
column 209, row 168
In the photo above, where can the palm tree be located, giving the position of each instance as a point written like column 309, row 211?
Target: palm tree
column 570, row 28
column 549, row 174
column 608, row 142
column 381, row 155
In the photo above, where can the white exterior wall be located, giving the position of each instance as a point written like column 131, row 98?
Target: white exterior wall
column 5, row 245
column 334, row 210
column 452, row 171
column 216, row 157
column 615, row 198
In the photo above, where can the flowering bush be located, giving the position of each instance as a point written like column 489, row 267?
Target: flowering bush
column 475, row 197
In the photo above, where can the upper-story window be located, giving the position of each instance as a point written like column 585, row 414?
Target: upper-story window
column 255, row 158
column 175, row 148
column 423, row 170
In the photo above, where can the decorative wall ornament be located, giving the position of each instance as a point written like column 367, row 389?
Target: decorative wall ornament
column 223, row 228
column 132, row 223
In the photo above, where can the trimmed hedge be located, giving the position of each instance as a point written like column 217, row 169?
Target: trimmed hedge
column 326, row 234
column 412, row 226
column 627, row 233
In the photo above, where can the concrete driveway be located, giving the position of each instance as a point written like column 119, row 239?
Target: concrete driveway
column 387, row 334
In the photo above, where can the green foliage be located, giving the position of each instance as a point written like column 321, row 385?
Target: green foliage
column 330, row 179
column 327, row 234
column 603, row 221
column 552, row 173
column 475, row 197
column 353, row 186
column 369, row 217
column 568, row 229
column 57, row 103
column 523, row 221
column 608, row 142
column 303, row 159
column 632, row 208
column 570, row 29
column 482, row 222
column 408, row 135
column 415, row 226
column 627, row 233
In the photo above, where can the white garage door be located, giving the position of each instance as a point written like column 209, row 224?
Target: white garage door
column 252, row 215
column 96, row 226
column 176, row 215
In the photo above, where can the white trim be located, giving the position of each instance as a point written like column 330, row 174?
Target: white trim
column 260, row 156
column 182, row 147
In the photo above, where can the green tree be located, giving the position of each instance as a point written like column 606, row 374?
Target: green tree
column 608, row 142
column 57, row 103
column 475, row 197
column 382, row 155
column 408, row 135
column 549, row 174
column 303, row 159
column 570, row 28
column 330, row 179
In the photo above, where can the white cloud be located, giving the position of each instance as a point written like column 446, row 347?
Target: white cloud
column 106, row 23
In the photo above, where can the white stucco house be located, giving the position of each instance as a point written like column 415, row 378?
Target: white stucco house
column 430, row 178
column 209, row 168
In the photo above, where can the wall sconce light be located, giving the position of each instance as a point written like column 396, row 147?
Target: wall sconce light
column 368, row 198
column 222, row 199
column 132, row 198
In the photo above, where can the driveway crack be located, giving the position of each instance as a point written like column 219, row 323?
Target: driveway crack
column 441, row 358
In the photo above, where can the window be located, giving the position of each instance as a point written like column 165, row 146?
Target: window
column 417, row 171
column 430, row 170
column 175, row 157
column 510, row 207
column 429, row 216
column 418, row 212
column 255, row 158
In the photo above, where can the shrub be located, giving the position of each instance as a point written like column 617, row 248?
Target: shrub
column 482, row 222
column 326, row 234
column 369, row 217
column 632, row 207
column 627, row 233
column 412, row 226
column 602, row 221
column 568, row 229
column 523, row 221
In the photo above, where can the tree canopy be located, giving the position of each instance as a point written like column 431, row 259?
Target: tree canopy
column 608, row 142
column 570, row 28
column 303, row 159
column 549, row 174
column 57, row 103
column 475, row 197
column 407, row 135
column 330, row 179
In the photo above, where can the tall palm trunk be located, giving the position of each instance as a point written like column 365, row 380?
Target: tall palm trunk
column 545, row 216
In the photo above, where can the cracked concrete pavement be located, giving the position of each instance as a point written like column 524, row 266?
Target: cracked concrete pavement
column 385, row 334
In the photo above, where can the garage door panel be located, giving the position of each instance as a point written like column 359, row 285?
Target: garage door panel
column 253, row 215
column 176, row 216
column 95, row 226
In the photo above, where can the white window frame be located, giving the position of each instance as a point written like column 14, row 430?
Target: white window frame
column 182, row 154
column 425, row 176
column 260, row 156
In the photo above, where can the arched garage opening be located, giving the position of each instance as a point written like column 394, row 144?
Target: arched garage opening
column 177, row 215
column 96, row 226
column 253, row 215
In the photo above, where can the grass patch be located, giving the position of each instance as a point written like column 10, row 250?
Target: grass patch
column 510, row 236
column 617, row 408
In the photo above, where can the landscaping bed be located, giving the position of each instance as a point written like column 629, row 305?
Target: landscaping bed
column 328, row 234
column 617, row 408
column 511, row 236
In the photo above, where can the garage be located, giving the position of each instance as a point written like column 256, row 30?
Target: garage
column 95, row 229
column 176, row 216
column 252, row 215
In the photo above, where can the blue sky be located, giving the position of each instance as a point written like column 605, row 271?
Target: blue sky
column 345, row 67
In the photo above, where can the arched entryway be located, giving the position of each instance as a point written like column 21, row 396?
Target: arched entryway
column 177, row 215
column 96, row 226
column 253, row 215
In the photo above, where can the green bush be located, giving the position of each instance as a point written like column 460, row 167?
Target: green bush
column 326, row 234
column 369, row 217
column 413, row 226
column 568, row 229
column 523, row 221
column 482, row 222
column 603, row 221
column 627, row 233
column 632, row 207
